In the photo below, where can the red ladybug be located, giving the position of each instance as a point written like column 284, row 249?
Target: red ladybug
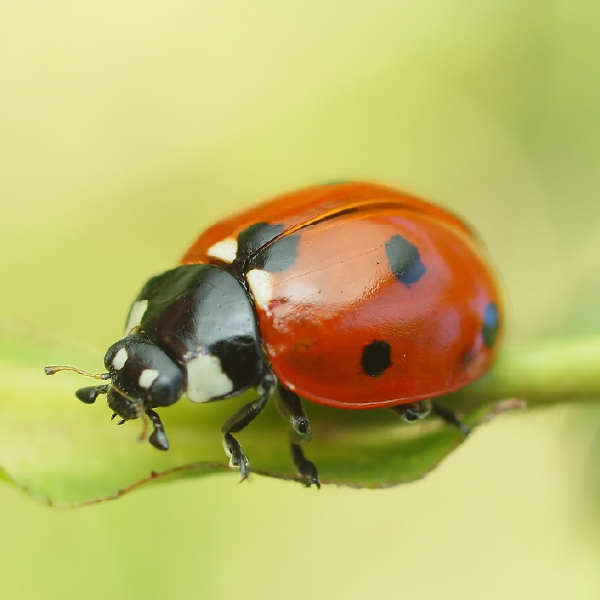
column 352, row 295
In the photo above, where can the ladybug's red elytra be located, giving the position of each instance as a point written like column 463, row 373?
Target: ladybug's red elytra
column 352, row 295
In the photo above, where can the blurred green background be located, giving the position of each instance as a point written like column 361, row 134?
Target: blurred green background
column 126, row 128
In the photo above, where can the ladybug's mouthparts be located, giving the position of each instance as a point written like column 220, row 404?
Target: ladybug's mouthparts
column 122, row 404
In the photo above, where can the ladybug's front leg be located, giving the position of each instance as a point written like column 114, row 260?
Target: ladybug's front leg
column 243, row 417
column 290, row 408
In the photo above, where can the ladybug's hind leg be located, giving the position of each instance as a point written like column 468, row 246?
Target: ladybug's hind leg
column 450, row 417
column 240, row 419
column 415, row 411
column 290, row 407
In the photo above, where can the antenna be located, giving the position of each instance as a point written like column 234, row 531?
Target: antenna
column 56, row 368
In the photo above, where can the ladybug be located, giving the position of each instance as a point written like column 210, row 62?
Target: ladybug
column 352, row 295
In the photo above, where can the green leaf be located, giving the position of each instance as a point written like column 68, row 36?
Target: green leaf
column 63, row 452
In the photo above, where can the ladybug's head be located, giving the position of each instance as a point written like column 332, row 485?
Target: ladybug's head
column 141, row 376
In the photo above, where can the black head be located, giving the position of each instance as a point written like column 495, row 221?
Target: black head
column 142, row 375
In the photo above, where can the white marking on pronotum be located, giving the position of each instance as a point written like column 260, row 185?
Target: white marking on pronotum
column 119, row 359
column 147, row 378
column 261, row 285
column 205, row 379
column 226, row 250
column 135, row 314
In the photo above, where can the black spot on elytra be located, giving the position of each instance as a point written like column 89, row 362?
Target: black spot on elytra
column 276, row 257
column 376, row 358
column 491, row 325
column 404, row 260
column 256, row 236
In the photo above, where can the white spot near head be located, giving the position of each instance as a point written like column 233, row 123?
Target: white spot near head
column 225, row 250
column 261, row 286
column 205, row 379
column 147, row 378
column 135, row 314
column 119, row 360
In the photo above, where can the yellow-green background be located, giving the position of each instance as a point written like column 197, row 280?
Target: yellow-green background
column 127, row 127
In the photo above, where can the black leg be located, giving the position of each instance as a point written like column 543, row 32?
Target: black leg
column 158, row 438
column 306, row 469
column 414, row 411
column 290, row 407
column 450, row 417
column 241, row 419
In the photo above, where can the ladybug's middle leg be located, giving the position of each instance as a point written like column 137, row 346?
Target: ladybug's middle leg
column 413, row 411
column 290, row 408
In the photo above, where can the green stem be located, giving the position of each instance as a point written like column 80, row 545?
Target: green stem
column 544, row 373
